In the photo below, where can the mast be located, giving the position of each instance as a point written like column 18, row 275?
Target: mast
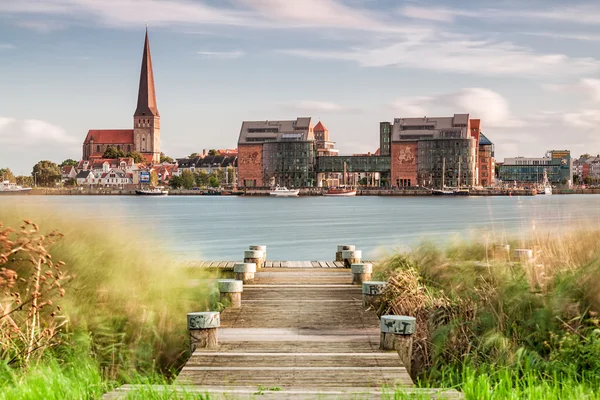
column 443, row 172
column 344, row 180
column 459, row 172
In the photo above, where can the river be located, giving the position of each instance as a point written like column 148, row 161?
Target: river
column 310, row 228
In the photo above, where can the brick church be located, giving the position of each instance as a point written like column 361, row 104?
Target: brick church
column 145, row 135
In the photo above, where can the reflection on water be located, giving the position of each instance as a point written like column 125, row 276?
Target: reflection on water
column 310, row 228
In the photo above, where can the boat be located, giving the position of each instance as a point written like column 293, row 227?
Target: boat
column 157, row 191
column 282, row 191
column 545, row 188
column 442, row 192
column 340, row 191
column 11, row 188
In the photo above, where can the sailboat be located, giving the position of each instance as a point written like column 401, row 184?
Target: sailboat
column 449, row 192
column 545, row 187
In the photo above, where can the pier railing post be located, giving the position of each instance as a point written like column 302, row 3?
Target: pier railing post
column 341, row 248
column 371, row 292
column 396, row 334
column 502, row 251
column 203, row 327
column 361, row 273
column 231, row 292
column 244, row 271
column 254, row 256
column 351, row 257
column 260, row 248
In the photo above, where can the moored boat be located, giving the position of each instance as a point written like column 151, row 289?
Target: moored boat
column 340, row 191
column 284, row 192
column 157, row 191
column 10, row 188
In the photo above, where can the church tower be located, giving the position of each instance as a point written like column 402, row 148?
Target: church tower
column 146, row 120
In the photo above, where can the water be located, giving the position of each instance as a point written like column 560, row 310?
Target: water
column 310, row 228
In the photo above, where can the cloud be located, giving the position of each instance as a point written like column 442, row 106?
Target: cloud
column 571, row 36
column 487, row 105
column 439, row 14
column 7, row 46
column 482, row 57
column 313, row 107
column 41, row 26
column 589, row 87
column 28, row 132
column 586, row 119
column 222, row 55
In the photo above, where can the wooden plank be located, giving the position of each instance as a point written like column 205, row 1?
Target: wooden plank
column 323, row 264
column 315, row 264
column 331, row 264
column 269, row 264
column 230, row 264
column 338, row 264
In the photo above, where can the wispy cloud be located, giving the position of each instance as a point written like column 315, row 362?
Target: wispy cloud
column 589, row 87
column 461, row 56
column 315, row 106
column 569, row 36
column 491, row 107
column 7, row 46
column 222, row 55
column 32, row 132
column 41, row 26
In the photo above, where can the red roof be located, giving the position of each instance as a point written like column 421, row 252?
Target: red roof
column 319, row 127
column 110, row 136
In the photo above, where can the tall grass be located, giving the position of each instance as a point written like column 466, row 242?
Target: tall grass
column 126, row 309
column 487, row 321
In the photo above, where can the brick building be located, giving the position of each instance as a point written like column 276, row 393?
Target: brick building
column 145, row 135
column 278, row 153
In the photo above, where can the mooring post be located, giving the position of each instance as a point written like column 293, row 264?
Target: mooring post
column 254, row 256
column 351, row 257
column 203, row 327
column 341, row 248
column 231, row 292
column 244, row 271
column 523, row 255
column 396, row 334
column 263, row 249
column 371, row 292
column 361, row 273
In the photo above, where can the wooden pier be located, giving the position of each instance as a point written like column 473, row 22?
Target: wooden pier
column 302, row 333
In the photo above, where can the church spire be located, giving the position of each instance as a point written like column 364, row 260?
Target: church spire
column 146, row 104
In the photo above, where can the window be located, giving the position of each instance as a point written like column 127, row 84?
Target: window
column 98, row 149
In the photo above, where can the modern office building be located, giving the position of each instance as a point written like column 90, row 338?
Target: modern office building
column 557, row 164
column 274, row 153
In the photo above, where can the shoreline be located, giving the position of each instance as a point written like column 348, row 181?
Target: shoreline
column 303, row 192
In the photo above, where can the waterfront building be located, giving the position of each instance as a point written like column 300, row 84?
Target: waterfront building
column 487, row 163
column 524, row 171
column 587, row 169
column 85, row 178
column 115, row 178
column 67, row 173
column 280, row 153
column 145, row 135
column 432, row 152
column 385, row 138
column 225, row 164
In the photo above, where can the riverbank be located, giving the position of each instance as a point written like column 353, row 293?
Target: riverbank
column 403, row 192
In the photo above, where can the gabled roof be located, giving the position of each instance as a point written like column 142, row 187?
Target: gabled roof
column 66, row 169
column 319, row 127
column 109, row 136
column 83, row 174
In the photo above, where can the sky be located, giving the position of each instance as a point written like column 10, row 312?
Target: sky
column 530, row 70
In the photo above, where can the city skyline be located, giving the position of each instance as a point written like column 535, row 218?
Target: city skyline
column 529, row 74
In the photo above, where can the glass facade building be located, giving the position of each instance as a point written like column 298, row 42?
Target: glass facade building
column 557, row 164
column 446, row 162
column 289, row 163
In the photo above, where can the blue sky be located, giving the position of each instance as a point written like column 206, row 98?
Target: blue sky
column 528, row 69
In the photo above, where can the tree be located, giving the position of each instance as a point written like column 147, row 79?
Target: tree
column 68, row 162
column 187, row 179
column 221, row 175
column 213, row 152
column 112, row 152
column 6, row 175
column 230, row 175
column 137, row 157
column 153, row 178
column 202, row 179
column 575, row 179
column 24, row 180
column 563, row 181
column 585, row 155
column 213, row 181
column 175, row 182
column 193, row 155
column 164, row 158
column 46, row 173
column 588, row 180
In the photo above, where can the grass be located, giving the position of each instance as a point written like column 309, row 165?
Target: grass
column 499, row 329
column 126, row 308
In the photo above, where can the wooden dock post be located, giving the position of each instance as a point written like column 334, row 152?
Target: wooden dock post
column 361, row 273
column 244, row 271
column 351, row 257
column 341, row 248
column 231, row 292
column 261, row 248
column 371, row 292
column 396, row 334
column 254, row 256
column 524, row 255
column 203, row 327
